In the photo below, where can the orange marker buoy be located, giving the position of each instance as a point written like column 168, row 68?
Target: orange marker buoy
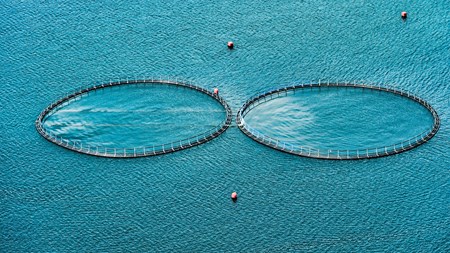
column 216, row 91
column 404, row 15
column 230, row 44
column 234, row 196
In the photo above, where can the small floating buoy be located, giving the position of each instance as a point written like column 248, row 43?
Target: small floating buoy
column 404, row 14
column 230, row 44
column 234, row 196
column 216, row 91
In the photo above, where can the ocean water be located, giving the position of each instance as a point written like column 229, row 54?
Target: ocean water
column 56, row 200
column 340, row 118
column 130, row 116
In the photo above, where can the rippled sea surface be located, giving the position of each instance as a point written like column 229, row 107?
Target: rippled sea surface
column 56, row 200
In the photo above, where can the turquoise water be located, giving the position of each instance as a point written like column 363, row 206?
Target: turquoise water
column 135, row 116
column 340, row 118
column 56, row 200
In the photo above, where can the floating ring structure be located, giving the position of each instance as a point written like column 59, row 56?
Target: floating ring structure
column 133, row 151
column 334, row 154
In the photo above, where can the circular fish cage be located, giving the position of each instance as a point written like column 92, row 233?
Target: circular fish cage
column 143, row 149
column 321, row 150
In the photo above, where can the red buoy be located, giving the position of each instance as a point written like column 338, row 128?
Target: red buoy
column 234, row 196
column 216, row 91
column 404, row 15
column 230, row 44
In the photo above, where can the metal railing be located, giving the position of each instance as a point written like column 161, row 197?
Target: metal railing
column 152, row 150
column 336, row 154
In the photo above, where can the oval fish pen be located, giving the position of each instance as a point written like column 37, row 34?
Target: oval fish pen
column 334, row 154
column 139, row 151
